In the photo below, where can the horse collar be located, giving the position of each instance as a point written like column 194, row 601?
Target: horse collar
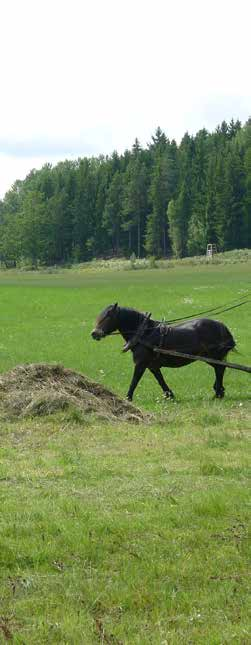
column 138, row 334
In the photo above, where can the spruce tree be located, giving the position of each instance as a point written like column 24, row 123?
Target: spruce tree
column 247, row 196
column 135, row 203
column 210, row 215
column 197, row 231
column 178, row 214
column 113, row 212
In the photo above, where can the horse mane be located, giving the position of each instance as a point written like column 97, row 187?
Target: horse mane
column 132, row 317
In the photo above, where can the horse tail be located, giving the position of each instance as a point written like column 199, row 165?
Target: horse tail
column 228, row 343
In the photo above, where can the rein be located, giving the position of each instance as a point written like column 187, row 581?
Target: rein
column 216, row 310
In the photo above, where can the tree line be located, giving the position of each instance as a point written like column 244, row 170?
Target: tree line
column 164, row 199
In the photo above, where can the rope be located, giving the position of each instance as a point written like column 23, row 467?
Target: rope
column 216, row 310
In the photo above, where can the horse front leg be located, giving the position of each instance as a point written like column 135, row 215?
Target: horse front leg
column 137, row 374
column 161, row 381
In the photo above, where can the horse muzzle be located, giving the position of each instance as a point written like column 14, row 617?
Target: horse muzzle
column 97, row 334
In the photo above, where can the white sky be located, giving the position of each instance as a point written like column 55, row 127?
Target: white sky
column 83, row 77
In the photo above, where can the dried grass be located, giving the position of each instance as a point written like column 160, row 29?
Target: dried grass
column 41, row 389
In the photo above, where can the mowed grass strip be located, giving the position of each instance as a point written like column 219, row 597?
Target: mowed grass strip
column 130, row 534
column 113, row 533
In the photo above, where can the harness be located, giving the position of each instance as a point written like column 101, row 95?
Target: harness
column 159, row 349
column 164, row 331
column 138, row 335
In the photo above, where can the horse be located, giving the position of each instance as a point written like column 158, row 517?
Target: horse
column 198, row 337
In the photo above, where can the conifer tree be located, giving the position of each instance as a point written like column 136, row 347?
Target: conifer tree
column 234, row 224
column 178, row 214
column 135, row 202
column 32, row 226
column 197, row 232
column 210, row 215
column 160, row 197
column 247, row 197
column 113, row 211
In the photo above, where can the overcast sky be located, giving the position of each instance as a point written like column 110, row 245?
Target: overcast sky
column 85, row 77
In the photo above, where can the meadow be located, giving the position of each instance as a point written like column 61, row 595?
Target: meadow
column 117, row 533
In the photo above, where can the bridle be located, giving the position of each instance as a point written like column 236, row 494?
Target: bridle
column 103, row 319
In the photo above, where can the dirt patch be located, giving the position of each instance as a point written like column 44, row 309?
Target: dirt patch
column 41, row 389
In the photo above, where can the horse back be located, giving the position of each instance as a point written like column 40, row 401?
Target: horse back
column 212, row 333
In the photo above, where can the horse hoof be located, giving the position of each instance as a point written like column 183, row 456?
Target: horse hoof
column 170, row 395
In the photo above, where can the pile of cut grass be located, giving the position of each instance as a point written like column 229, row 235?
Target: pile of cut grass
column 39, row 389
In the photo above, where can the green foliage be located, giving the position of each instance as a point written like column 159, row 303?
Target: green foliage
column 178, row 214
column 247, row 193
column 164, row 199
column 163, row 188
column 113, row 211
column 135, row 200
column 197, row 232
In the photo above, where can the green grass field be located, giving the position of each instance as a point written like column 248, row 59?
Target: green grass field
column 113, row 533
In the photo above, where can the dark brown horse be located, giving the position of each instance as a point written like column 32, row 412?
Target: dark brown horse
column 198, row 337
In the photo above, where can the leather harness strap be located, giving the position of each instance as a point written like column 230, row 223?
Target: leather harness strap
column 138, row 335
column 164, row 330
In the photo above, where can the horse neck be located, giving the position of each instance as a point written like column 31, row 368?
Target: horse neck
column 128, row 322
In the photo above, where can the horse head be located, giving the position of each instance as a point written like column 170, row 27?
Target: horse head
column 106, row 323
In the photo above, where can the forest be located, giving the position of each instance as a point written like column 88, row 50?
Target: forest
column 160, row 200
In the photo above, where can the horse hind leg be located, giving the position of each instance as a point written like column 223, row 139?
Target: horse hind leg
column 161, row 381
column 218, row 384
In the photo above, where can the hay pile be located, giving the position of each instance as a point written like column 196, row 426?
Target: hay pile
column 41, row 389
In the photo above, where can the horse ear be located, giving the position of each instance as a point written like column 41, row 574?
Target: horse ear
column 115, row 306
